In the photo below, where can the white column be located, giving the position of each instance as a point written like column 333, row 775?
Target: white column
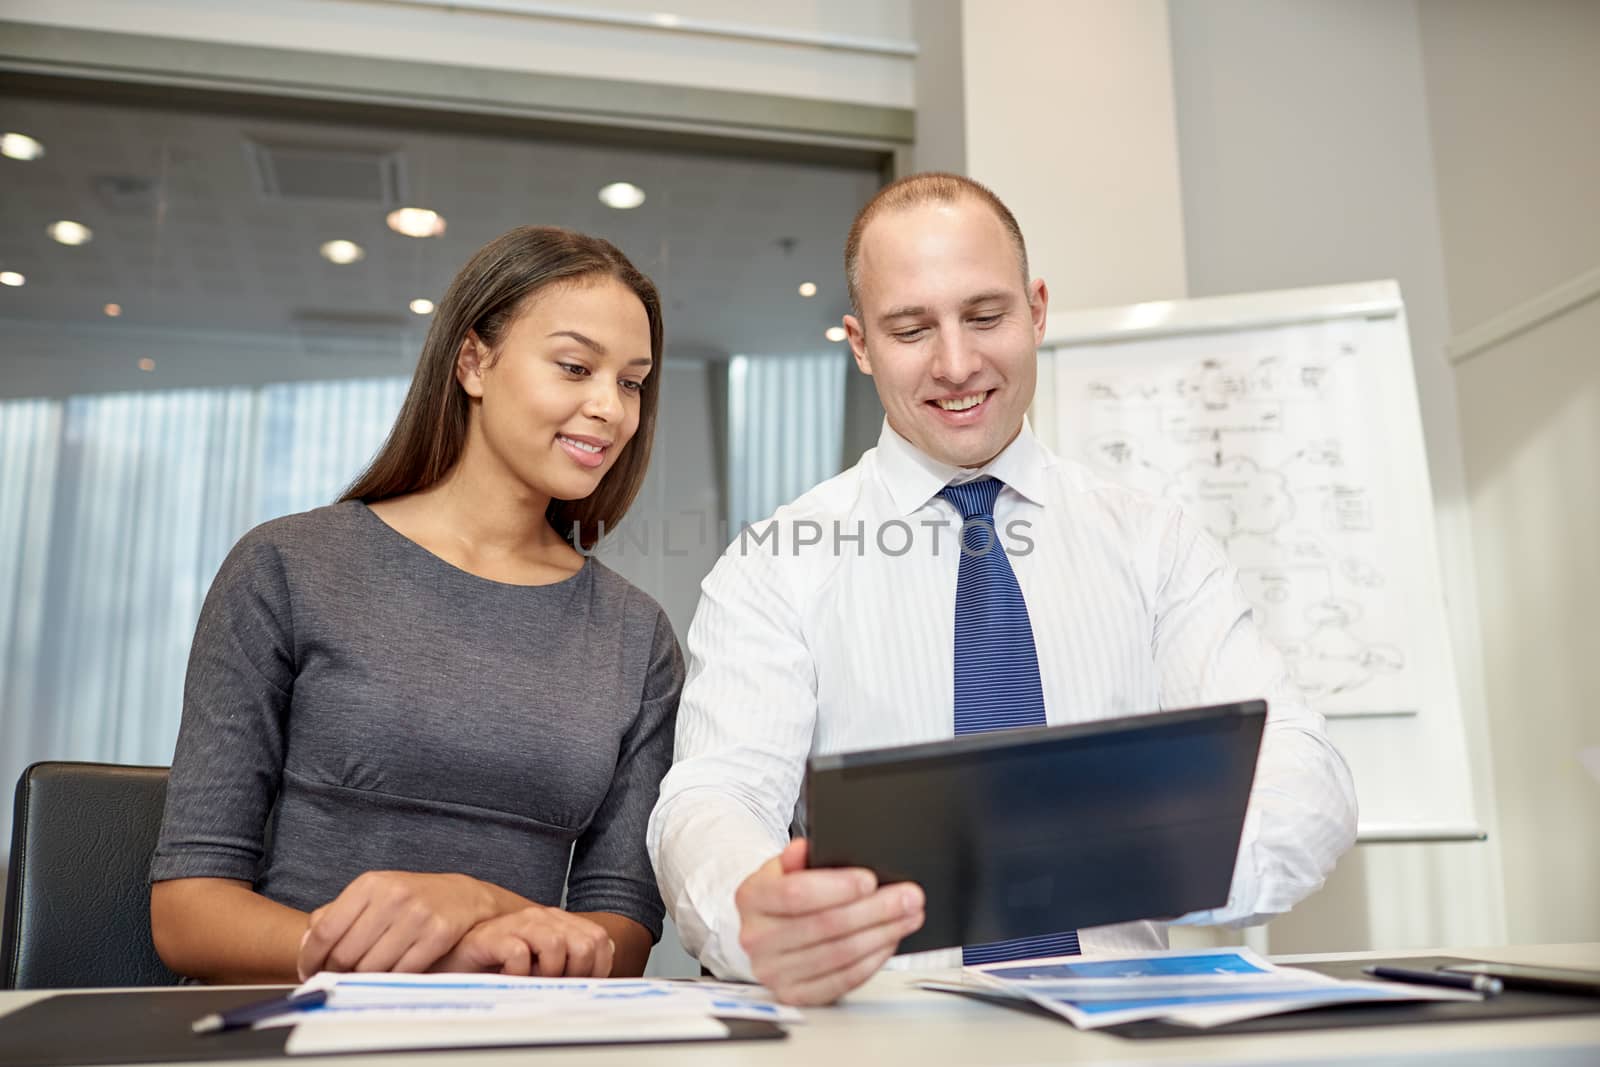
column 1069, row 117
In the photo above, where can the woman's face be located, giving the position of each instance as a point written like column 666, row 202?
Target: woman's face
column 561, row 392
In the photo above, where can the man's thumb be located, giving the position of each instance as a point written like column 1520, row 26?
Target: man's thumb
column 793, row 857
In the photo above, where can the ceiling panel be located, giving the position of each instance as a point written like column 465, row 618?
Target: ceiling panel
column 187, row 241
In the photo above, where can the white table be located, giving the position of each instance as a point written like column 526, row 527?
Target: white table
column 889, row 1023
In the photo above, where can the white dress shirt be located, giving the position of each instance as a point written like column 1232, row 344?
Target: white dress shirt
column 831, row 628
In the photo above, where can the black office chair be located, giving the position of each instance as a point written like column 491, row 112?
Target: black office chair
column 78, row 893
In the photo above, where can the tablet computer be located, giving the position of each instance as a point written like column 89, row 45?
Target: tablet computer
column 1016, row 833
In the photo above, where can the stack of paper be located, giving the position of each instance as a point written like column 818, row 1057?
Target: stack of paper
column 1201, row 989
column 367, row 1012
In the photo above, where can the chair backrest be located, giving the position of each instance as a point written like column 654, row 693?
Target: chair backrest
column 78, row 892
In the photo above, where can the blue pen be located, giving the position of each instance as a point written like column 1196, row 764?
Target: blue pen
column 234, row 1018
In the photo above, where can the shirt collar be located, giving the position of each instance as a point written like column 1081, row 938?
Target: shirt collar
column 913, row 477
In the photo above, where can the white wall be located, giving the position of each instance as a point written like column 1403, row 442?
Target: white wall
column 1514, row 98
column 1069, row 118
column 941, row 92
column 1514, row 102
column 522, row 35
column 1531, row 412
column 1306, row 160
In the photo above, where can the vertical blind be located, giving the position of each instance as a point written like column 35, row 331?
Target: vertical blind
column 785, row 430
column 117, row 510
column 115, row 513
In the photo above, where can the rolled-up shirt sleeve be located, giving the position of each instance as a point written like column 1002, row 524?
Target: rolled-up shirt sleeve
column 745, row 726
column 1301, row 815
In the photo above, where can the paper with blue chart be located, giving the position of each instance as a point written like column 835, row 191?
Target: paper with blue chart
column 368, row 1012
column 1200, row 989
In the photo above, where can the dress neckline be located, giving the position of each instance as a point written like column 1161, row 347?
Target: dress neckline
column 440, row 563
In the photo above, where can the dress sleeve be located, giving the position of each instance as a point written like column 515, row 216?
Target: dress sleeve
column 610, row 867
column 1302, row 812
column 229, row 758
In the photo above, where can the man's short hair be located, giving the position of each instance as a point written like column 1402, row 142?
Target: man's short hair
column 932, row 187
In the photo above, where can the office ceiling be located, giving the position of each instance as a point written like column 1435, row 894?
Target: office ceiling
column 206, row 228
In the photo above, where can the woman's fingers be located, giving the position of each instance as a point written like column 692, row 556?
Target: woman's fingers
column 603, row 958
column 547, row 942
column 327, row 927
column 385, row 952
column 428, row 946
column 388, row 921
column 361, row 937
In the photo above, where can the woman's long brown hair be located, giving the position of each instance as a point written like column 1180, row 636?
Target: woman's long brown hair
column 486, row 297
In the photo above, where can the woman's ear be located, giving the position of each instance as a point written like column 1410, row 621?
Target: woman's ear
column 471, row 359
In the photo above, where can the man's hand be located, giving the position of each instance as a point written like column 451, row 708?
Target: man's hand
column 812, row 936
column 393, row 921
column 538, row 940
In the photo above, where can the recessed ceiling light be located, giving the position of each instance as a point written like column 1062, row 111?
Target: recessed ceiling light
column 342, row 251
column 20, row 146
column 621, row 195
column 11, row 277
column 416, row 222
column 835, row 333
column 666, row 20
column 808, row 288
column 70, row 233
column 422, row 306
column 113, row 310
column 147, row 363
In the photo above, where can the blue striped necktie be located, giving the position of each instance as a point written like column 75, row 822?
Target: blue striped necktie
column 997, row 666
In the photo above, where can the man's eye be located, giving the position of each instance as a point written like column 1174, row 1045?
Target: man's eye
column 909, row 335
column 985, row 321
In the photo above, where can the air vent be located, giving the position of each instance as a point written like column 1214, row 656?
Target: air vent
column 353, row 335
column 125, row 195
column 349, row 173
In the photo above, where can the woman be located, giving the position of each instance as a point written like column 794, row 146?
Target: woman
column 405, row 712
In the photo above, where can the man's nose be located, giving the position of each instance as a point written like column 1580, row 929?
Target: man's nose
column 955, row 357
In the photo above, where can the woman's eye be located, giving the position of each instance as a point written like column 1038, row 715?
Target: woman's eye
column 632, row 386
column 574, row 369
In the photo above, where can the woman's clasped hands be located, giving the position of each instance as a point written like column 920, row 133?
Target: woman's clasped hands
column 411, row 922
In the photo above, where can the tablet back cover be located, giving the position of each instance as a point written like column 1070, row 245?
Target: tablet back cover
column 1024, row 832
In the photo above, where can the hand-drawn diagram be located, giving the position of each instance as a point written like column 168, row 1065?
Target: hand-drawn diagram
column 1264, row 437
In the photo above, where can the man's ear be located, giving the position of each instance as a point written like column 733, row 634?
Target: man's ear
column 1038, row 308
column 858, row 343
column 471, row 359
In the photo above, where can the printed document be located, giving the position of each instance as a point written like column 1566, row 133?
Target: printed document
column 1191, row 988
column 368, row 1012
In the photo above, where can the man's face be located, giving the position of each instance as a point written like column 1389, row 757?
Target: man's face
column 948, row 330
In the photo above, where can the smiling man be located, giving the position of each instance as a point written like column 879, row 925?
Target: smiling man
column 858, row 617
